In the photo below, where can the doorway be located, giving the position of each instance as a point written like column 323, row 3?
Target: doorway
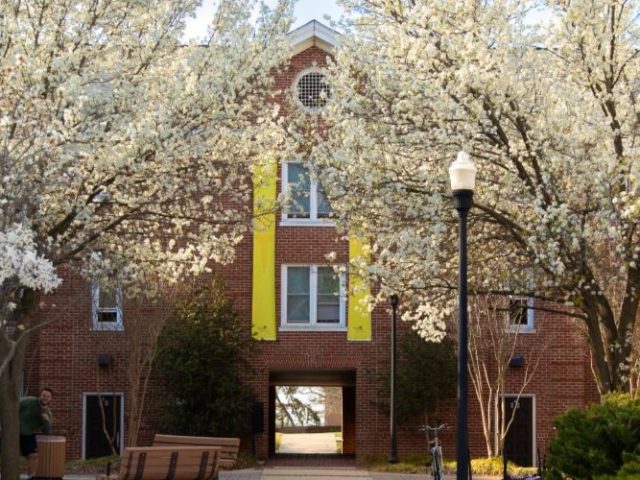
column 519, row 445
column 103, row 416
column 308, row 419
column 312, row 413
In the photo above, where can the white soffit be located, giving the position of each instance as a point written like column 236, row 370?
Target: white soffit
column 312, row 34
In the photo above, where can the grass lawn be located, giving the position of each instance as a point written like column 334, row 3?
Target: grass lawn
column 94, row 465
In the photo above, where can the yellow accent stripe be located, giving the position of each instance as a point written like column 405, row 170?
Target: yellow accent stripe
column 359, row 317
column 263, row 301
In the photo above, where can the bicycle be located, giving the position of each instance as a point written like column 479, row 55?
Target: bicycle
column 437, row 468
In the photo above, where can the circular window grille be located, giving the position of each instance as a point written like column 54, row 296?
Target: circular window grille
column 313, row 90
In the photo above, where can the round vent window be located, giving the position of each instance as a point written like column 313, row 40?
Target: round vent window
column 313, row 91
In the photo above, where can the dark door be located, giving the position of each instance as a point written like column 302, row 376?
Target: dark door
column 272, row 420
column 103, row 429
column 349, row 420
column 519, row 442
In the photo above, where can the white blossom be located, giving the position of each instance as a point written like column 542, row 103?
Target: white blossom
column 20, row 260
column 549, row 113
column 116, row 138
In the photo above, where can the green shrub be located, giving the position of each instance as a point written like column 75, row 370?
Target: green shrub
column 591, row 442
column 630, row 469
column 201, row 353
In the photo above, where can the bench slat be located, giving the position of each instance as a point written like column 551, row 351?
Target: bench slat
column 176, row 462
column 229, row 446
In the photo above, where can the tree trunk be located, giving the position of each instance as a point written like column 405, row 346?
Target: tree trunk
column 10, row 384
column 9, row 413
column 609, row 343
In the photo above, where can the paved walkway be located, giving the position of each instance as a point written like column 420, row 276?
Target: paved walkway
column 317, row 473
column 308, row 443
column 325, row 473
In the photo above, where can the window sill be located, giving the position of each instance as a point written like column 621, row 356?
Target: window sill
column 312, row 328
column 306, row 223
column 102, row 328
column 521, row 330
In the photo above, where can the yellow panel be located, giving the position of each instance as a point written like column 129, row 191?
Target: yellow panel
column 263, row 301
column 359, row 316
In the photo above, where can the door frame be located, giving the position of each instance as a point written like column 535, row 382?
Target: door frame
column 85, row 395
column 532, row 396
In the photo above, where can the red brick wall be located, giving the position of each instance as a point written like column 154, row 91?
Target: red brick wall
column 63, row 355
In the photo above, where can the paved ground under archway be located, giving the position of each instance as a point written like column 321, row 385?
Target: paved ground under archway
column 304, row 443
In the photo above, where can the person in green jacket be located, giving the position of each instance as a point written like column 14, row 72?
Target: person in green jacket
column 35, row 416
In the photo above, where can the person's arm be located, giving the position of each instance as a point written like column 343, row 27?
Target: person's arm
column 47, row 419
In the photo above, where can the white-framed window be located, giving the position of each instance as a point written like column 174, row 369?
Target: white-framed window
column 520, row 315
column 307, row 202
column 313, row 297
column 106, row 306
column 311, row 89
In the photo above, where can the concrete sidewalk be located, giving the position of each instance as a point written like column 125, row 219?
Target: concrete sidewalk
column 315, row 473
column 280, row 473
column 326, row 473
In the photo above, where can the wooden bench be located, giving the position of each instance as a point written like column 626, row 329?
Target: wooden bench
column 228, row 446
column 170, row 463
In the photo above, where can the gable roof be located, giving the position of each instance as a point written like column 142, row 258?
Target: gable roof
column 312, row 34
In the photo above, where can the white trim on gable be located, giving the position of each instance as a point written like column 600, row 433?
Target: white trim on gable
column 313, row 34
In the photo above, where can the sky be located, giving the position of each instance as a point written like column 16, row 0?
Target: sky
column 305, row 11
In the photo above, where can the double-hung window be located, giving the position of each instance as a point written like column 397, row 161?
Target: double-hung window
column 520, row 315
column 106, row 306
column 307, row 202
column 313, row 296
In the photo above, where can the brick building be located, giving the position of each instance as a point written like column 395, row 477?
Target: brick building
column 308, row 329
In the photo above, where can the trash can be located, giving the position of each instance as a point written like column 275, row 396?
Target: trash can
column 51, row 456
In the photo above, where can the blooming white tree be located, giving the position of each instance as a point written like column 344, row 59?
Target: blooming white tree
column 20, row 264
column 548, row 110
column 122, row 149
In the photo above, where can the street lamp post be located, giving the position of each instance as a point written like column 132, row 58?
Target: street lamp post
column 393, row 454
column 463, row 178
